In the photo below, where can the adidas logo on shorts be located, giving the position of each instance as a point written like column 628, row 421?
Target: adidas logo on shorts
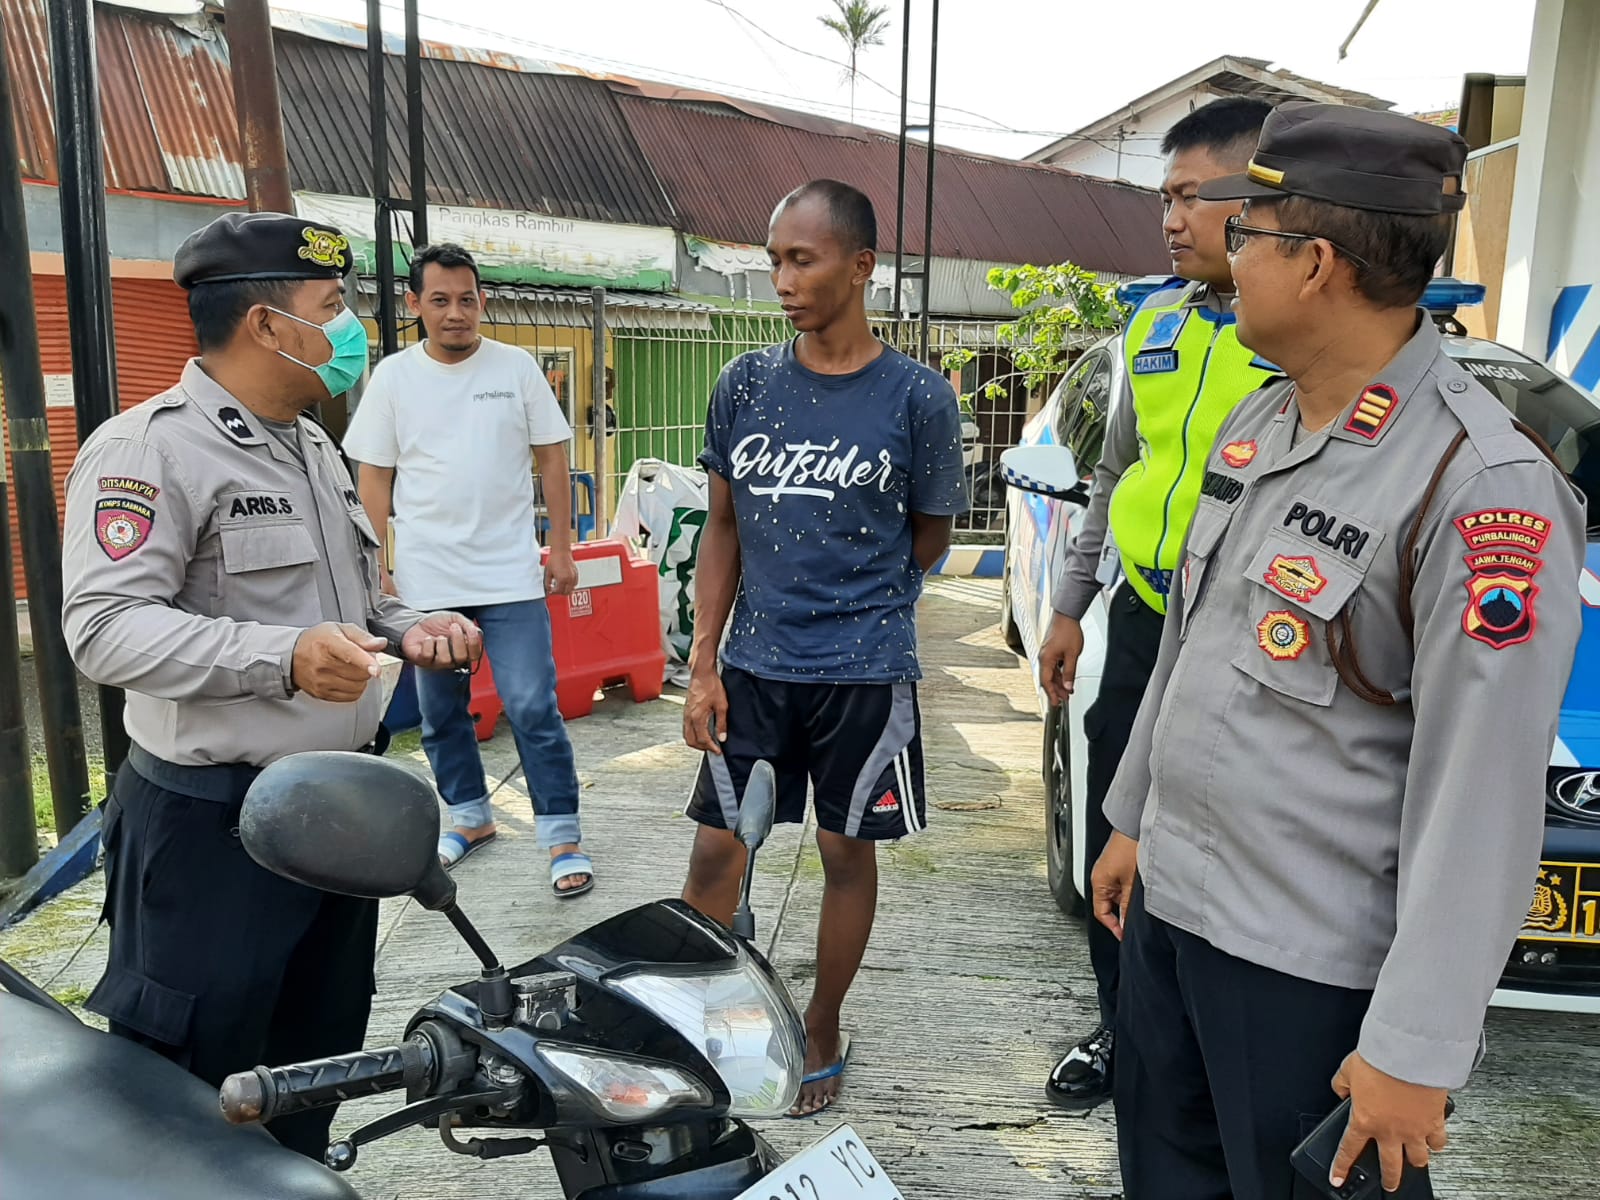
column 887, row 803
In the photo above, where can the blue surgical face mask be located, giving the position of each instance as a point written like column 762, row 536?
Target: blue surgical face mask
column 348, row 337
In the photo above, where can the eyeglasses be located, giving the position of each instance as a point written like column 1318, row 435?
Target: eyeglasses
column 1236, row 231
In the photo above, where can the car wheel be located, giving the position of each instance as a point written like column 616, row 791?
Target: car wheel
column 1058, row 842
column 1008, row 621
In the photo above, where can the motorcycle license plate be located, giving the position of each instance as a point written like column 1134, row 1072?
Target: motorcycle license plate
column 839, row 1167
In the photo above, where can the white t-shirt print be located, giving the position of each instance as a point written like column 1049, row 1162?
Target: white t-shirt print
column 459, row 437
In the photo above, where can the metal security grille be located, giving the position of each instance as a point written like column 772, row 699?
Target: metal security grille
column 663, row 381
column 664, row 355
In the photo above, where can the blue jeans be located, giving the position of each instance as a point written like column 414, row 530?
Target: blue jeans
column 516, row 637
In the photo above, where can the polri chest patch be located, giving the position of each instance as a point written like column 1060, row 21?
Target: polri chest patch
column 1346, row 538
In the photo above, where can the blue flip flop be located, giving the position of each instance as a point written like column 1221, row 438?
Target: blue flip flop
column 830, row 1072
column 566, row 866
column 453, row 847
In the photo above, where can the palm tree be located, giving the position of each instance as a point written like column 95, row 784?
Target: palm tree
column 859, row 24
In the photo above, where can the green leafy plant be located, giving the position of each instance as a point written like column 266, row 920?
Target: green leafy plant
column 1061, row 309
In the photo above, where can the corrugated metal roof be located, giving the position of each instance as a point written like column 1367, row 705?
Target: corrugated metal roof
column 188, row 90
column 724, row 171
column 166, row 103
column 531, row 142
column 562, row 144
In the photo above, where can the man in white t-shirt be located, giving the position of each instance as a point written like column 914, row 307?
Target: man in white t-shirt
column 447, row 434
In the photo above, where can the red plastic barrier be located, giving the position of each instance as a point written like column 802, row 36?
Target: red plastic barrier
column 608, row 631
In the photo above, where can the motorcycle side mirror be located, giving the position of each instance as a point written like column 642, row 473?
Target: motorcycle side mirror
column 759, row 808
column 757, row 811
column 1045, row 471
column 347, row 823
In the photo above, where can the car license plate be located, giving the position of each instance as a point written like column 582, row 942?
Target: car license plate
column 1566, row 904
column 839, row 1167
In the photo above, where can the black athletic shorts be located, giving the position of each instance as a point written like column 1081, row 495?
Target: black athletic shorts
column 859, row 745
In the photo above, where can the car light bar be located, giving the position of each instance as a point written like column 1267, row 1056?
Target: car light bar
column 1133, row 291
column 1443, row 295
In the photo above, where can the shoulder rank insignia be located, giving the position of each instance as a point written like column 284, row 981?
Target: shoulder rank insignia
column 1373, row 410
column 323, row 248
column 233, row 421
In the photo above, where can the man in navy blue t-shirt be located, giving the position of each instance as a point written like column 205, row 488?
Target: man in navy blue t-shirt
column 835, row 469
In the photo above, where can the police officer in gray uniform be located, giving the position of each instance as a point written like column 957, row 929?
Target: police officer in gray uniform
column 219, row 566
column 1335, row 785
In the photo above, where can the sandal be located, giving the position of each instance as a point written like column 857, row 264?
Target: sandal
column 567, row 866
column 453, row 847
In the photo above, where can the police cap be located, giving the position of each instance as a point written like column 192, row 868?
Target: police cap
column 261, row 246
column 1352, row 157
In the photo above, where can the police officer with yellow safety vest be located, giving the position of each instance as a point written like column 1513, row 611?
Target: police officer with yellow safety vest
column 1184, row 370
column 1335, row 786
column 219, row 567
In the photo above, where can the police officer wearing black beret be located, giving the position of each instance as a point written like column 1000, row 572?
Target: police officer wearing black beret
column 1335, row 786
column 219, row 567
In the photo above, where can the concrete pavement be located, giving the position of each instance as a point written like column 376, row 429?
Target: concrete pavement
column 971, row 987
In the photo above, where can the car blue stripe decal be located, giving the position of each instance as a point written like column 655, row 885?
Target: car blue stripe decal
column 1564, row 313
column 1580, row 707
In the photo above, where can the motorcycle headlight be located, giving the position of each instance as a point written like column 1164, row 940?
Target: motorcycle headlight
column 741, row 1022
column 626, row 1089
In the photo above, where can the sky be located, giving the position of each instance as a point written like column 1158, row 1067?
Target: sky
column 1013, row 74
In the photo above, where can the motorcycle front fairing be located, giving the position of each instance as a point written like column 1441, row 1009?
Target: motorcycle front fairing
column 93, row 1116
column 611, row 1154
column 662, row 943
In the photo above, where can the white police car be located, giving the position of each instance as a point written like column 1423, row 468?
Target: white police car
column 1556, row 961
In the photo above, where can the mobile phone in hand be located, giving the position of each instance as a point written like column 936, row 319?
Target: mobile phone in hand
column 1313, row 1159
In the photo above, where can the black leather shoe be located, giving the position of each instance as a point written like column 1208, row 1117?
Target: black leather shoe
column 1082, row 1079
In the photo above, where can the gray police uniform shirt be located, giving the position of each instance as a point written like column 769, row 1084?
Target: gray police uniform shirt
column 198, row 546
column 1295, row 824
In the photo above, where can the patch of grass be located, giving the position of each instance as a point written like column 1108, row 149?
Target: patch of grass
column 72, row 997
column 912, row 859
column 43, row 808
column 409, row 742
column 50, row 927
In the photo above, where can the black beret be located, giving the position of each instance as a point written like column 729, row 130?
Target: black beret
column 261, row 246
column 1353, row 157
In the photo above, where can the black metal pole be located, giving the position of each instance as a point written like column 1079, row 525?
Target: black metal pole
column 383, row 244
column 900, row 191
column 597, row 396
column 415, row 130
column 927, row 228
column 19, row 848
column 94, row 383
column 19, row 835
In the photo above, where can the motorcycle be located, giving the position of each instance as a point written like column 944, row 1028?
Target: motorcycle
column 636, row 1050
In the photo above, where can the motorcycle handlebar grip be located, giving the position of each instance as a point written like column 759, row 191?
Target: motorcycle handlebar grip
column 268, row 1092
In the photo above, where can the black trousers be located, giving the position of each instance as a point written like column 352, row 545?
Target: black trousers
column 1223, row 1067
column 1133, row 637
column 215, row 962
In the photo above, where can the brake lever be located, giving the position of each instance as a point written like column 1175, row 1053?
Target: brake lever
column 341, row 1155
